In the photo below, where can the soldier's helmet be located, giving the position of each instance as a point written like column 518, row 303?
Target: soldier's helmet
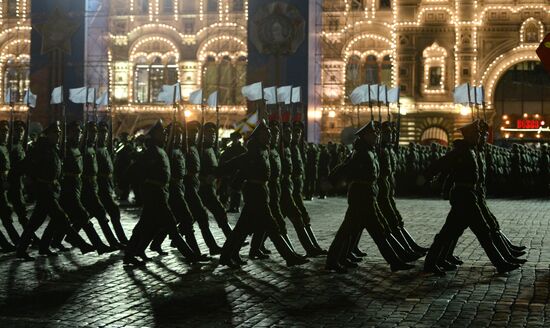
column 74, row 125
column 103, row 126
column 4, row 124
column 369, row 128
column 386, row 127
column 298, row 125
column 209, row 126
column 18, row 124
column 193, row 126
column 470, row 129
column 156, row 128
column 91, row 126
column 53, row 127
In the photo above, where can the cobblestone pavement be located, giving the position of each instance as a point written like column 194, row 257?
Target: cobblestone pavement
column 74, row 290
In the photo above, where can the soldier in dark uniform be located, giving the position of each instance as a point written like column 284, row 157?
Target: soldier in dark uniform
column 176, row 189
column 191, row 183
column 288, row 203
column 44, row 166
column 70, row 197
column 298, row 171
column 90, row 187
column 235, row 149
column 361, row 170
column 156, row 215
column 5, row 208
column 461, row 163
column 17, row 173
column 105, row 181
column 312, row 163
column 254, row 168
column 208, row 177
column 323, row 171
column 123, row 161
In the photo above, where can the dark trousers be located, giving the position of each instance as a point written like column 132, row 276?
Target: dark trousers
column 199, row 212
column 94, row 206
column 106, row 197
column 207, row 193
column 6, row 217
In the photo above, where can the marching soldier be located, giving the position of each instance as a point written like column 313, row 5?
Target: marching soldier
column 90, row 186
column 311, row 167
column 5, row 208
column 191, row 183
column 176, row 199
column 44, row 166
column 254, row 168
column 361, row 170
column 154, row 170
column 70, row 196
column 105, row 181
column 208, row 177
column 235, row 149
column 461, row 163
column 123, row 161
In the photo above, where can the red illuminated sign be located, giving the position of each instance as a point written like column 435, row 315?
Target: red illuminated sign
column 528, row 124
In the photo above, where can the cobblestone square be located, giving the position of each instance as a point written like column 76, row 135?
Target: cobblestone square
column 74, row 290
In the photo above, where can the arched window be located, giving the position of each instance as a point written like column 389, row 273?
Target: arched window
column 16, row 78
column 12, row 8
column 225, row 75
column 150, row 75
column 212, row 6
column 357, row 5
column 168, row 6
column 435, row 134
column 238, row 5
column 371, row 70
column 434, row 58
column 353, row 73
column 385, row 4
column 385, row 73
column 143, row 6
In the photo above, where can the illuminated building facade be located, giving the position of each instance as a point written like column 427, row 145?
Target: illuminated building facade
column 427, row 47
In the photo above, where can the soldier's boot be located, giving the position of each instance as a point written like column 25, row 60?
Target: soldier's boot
column 355, row 248
column 231, row 249
column 436, row 252
column 94, row 238
column 447, row 251
column 314, row 239
column 495, row 257
column 306, row 243
column 119, row 230
column 108, row 233
column 285, row 251
column 509, row 243
column 388, row 253
column 417, row 248
column 403, row 254
column 12, row 232
column 337, row 250
column 503, row 249
column 23, row 220
column 184, row 249
column 451, row 258
column 256, row 245
column 399, row 236
column 156, row 244
column 289, row 242
column 5, row 245
column 209, row 238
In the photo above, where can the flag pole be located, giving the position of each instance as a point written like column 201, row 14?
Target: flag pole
column 387, row 103
column 64, row 127
column 170, row 143
column 358, row 116
column 28, row 122
column 483, row 103
column 370, row 103
column 475, row 102
column 280, row 116
column 398, row 125
column 185, row 145
column 12, row 110
column 217, row 123
column 378, row 103
column 470, row 101
column 110, row 110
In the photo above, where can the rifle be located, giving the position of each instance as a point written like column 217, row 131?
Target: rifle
column 12, row 109
column 28, row 123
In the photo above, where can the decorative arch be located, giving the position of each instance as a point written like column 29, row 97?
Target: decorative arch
column 531, row 31
column 439, row 122
column 500, row 64
column 154, row 43
column 434, row 58
column 15, row 67
column 434, row 133
column 222, row 67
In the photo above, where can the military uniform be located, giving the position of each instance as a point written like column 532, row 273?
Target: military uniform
column 44, row 166
column 254, row 167
column 191, row 183
column 465, row 213
column 90, row 187
column 156, row 215
column 105, row 170
column 226, row 192
column 5, row 208
column 361, row 170
column 312, row 163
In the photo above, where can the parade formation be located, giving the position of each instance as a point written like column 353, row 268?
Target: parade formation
column 179, row 175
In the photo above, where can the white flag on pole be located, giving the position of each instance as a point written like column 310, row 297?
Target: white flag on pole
column 476, row 95
column 359, row 94
column 212, row 100
column 460, row 94
column 166, row 94
column 253, row 91
column 195, row 97
column 8, row 97
column 393, row 95
column 382, row 94
column 373, row 92
column 78, row 95
column 30, row 98
column 480, row 96
column 57, row 96
column 103, row 100
column 284, row 94
column 270, row 95
column 296, row 95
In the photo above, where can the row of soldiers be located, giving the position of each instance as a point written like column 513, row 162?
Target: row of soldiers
column 515, row 171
